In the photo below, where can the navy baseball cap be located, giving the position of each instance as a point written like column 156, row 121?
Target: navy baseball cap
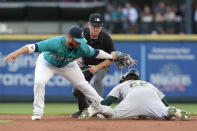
column 77, row 34
column 96, row 19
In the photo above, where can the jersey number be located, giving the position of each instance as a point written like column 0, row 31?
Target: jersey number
column 139, row 83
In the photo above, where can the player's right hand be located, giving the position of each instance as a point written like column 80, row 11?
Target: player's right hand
column 79, row 62
column 11, row 56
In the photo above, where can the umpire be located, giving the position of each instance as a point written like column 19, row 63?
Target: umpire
column 92, row 68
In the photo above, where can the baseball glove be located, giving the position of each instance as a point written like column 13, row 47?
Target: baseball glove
column 123, row 60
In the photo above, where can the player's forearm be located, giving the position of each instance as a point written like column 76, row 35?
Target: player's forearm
column 109, row 100
column 25, row 49
column 103, row 64
column 104, row 55
column 22, row 50
column 165, row 102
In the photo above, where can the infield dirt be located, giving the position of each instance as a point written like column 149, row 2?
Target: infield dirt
column 65, row 123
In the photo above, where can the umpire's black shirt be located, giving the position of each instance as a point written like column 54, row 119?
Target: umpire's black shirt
column 104, row 42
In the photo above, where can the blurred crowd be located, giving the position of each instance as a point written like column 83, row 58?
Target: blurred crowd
column 51, row 0
column 158, row 19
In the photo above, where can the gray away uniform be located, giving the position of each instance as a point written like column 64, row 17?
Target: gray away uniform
column 139, row 98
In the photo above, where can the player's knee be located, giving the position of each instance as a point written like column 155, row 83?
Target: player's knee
column 39, row 84
column 83, row 86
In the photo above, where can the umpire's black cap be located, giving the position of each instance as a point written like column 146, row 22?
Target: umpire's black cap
column 96, row 19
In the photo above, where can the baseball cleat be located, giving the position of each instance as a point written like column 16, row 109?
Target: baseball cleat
column 90, row 111
column 84, row 114
column 76, row 114
column 36, row 117
column 183, row 115
column 100, row 116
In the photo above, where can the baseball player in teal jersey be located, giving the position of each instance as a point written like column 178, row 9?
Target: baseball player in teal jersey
column 58, row 56
column 138, row 98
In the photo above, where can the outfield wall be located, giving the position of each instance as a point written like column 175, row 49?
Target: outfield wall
column 169, row 62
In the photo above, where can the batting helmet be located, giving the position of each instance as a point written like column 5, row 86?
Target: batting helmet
column 132, row 74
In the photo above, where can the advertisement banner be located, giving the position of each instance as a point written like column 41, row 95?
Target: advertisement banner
column 16, row 78
column 170, row 66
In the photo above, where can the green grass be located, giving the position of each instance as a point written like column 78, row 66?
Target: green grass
column 191, row 107
column 5, row 121
column 69, row 108
column 26, row 108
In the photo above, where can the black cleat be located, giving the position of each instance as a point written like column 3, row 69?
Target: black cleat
column 76, row 114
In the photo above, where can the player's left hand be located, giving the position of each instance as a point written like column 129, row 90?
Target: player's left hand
column 93, row 69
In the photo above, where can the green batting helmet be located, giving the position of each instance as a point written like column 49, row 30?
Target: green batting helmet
column 131, row 74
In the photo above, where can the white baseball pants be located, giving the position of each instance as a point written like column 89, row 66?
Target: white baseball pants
column 44, row 71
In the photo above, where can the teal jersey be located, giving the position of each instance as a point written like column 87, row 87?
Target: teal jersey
column 57, row 54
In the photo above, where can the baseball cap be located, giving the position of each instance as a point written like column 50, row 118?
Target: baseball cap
column 77, row 34
column 96, row 19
